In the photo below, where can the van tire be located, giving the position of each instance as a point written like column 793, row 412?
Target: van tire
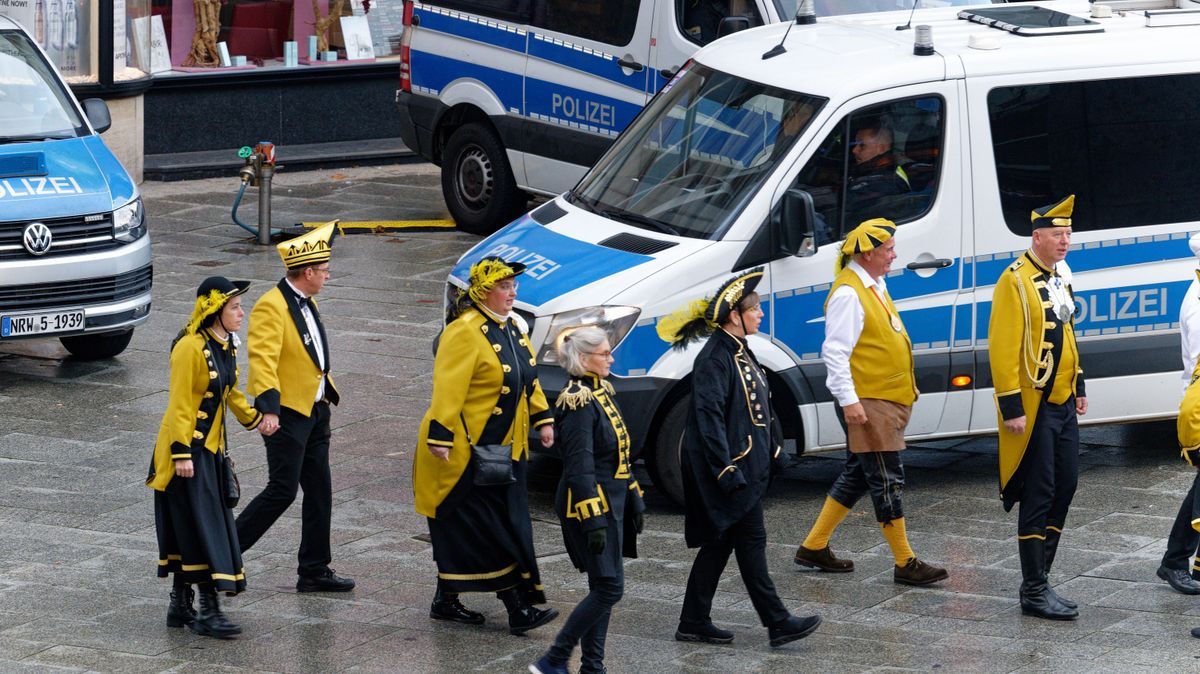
column 477, row 180
column 666, row 468
column 97, row 346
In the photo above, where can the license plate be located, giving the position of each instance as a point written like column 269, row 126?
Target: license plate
column 20, row 325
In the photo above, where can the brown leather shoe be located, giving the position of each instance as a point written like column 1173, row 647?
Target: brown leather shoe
column 823, row 559
column 918, row 573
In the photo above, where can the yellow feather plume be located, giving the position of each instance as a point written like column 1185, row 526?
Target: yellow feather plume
column 205, row 307
column 679, row 324
column 485, row 274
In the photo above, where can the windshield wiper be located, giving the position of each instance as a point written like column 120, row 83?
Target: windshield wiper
column 638, row 219
column 580, row 201
column 34, row 138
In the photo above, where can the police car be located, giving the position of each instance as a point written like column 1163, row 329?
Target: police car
column 74, row 250
column 513, row 98
column 989, row 111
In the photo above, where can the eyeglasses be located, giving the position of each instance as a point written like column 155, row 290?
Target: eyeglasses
column 507, row 285
column 322, row 270
column 602, row 354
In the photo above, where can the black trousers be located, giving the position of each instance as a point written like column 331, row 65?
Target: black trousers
column 297, row 458
column 1182, row 543
column 879, row 473
column 588, row 623
column 1050, row 470
column 747, row 538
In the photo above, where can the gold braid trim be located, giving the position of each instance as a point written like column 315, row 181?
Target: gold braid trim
column 1048, row 362
column 574, row 396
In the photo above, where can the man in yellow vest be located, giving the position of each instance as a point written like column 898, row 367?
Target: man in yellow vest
column 869, row 364
column 1039, row 396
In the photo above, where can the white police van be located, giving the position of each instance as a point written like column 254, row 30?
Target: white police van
column 513, row 97
column 74, row 251
column 986, row 123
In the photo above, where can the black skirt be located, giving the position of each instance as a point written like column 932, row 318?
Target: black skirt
column 197, row 537
column 485, row 544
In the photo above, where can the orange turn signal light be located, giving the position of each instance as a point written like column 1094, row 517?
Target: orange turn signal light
column 961, row 381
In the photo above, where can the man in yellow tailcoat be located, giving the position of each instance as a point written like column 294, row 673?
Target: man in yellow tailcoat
column 291, row 386
column 1039, row 395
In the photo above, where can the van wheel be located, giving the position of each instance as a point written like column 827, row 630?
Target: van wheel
column 477, row 181
column 97, row 347
column 667, row 470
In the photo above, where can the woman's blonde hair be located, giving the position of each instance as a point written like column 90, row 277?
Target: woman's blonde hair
column 577, row 345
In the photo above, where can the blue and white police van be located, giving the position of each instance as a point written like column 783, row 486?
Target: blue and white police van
column 74, row 251
column 1008, row 108
column 520, row 97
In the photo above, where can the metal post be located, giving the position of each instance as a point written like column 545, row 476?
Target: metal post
column 266, row 172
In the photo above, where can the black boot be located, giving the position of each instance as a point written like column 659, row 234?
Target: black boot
column 180, row 611
column 1035, row 600
column 1051, row 550
column 521, row 616
column 210, row 622
column 446, row 606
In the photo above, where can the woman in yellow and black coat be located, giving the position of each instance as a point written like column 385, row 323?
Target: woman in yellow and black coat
column 485, row 392
column 598, row 501
column 197, row 538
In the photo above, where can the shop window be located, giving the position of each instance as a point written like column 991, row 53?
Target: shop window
column 881, row 161
column 699, row 20
column 1123, row 147
column 612, row 22
column 63, row 29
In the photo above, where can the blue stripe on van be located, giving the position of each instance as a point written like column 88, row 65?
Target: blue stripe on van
column 594, row 63
column 470, row 30
column 585, row 108
column 435, row 72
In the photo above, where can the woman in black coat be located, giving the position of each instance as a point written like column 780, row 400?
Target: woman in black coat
column 598, row 501
column 729, row 445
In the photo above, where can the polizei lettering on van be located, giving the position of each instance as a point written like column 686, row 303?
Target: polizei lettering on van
column 30, row 187
column 536, row 266
column 577, row 109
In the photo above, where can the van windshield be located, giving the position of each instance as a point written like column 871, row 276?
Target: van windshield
column 690, row 162
column 33, row 104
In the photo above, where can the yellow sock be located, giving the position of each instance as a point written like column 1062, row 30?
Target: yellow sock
column 897, row 539
column 832, row 514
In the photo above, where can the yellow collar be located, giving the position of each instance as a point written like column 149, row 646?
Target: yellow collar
column 1037, row 262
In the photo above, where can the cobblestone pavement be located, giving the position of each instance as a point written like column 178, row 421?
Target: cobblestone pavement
column 77, row 560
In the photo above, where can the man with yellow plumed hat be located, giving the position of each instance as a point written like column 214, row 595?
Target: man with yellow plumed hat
column 869, row 364
column 291, row 386
column 1039, row 396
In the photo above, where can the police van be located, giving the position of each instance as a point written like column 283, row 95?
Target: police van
column 988, row 112
column 520, row 97
column 74, row 250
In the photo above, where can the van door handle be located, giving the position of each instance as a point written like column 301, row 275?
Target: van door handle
column 669, row 73
column 631, row 64
column 936, row 263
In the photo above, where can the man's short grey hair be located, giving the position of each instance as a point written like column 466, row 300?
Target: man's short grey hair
column 576, row 346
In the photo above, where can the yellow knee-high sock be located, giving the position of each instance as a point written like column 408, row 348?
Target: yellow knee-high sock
column 897, row 539
column 832, row 514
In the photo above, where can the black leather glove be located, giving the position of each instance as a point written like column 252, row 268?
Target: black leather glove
column 596, row 541
column 639, row 522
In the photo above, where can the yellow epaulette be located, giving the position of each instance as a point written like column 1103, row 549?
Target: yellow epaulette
column 1017, row 263
column 608, row 388
column 574, row 396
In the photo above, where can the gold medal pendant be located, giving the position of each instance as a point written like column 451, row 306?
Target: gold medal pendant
column 896, row 324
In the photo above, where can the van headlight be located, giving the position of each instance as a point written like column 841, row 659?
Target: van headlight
column 129, row 222
column 616, row 320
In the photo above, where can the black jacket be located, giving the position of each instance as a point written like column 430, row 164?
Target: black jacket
column 597, row 488
column 728, row 444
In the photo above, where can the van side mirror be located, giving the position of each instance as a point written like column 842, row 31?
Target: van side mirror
column 97, row 113
column 732, row 24
column 794, row 221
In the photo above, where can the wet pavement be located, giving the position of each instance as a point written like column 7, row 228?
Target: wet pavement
column 77, row 559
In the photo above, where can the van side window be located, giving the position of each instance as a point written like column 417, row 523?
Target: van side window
column 878, row 162
column 1122, row 147
column 612, row 22
column 515, row 11
column 699, row 20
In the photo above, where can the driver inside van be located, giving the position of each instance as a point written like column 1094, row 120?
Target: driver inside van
column 700, row 19
column 877, row 172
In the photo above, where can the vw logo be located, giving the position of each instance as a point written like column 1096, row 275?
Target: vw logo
column 37, row 238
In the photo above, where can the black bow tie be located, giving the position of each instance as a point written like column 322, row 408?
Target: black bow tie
column 301, row 301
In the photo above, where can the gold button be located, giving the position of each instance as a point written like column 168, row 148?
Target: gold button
column 483, row 328
column 506, row 368
column 212, row 374
column 505, row 390
column 496, row 348
column 207, row 352
column 496, row 411
column 201, row 414
column 532, row 362
column 197, row 435
column 208, row 394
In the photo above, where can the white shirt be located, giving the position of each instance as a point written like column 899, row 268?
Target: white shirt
column 306, row 312
column 1189, row 330
column 844, row 317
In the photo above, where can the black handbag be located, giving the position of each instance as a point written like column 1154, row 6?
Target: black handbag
column 493, row 463
column 233, row 488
